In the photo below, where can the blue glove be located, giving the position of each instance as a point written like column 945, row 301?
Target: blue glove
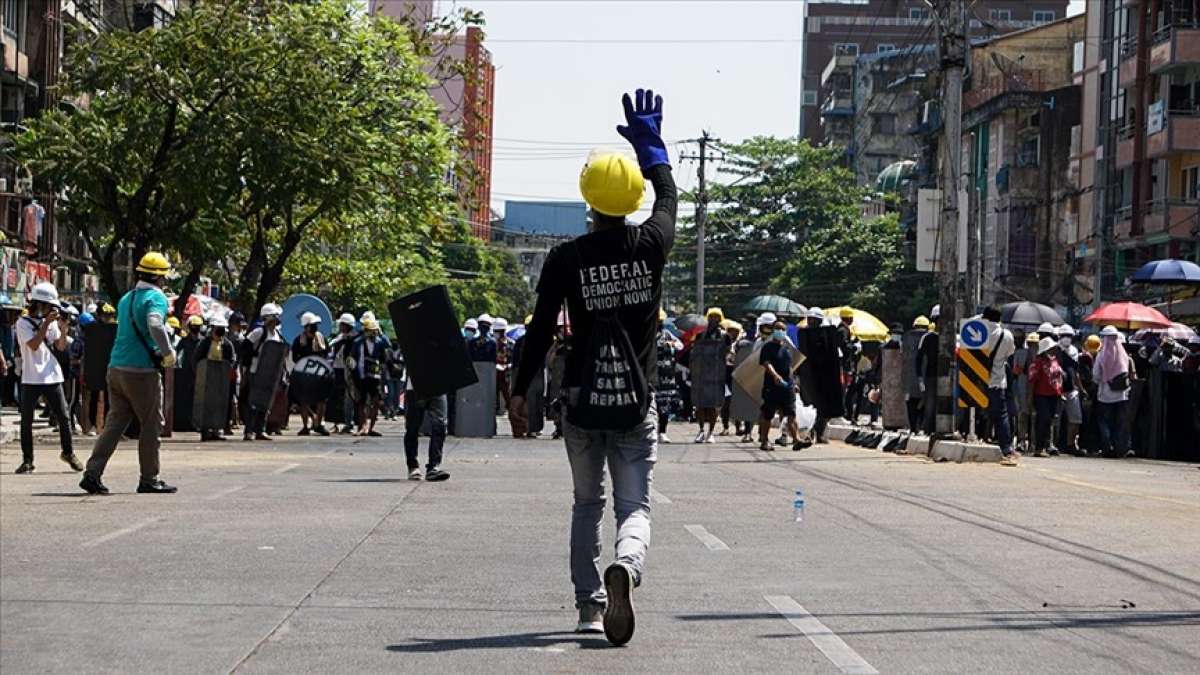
column 643, row 128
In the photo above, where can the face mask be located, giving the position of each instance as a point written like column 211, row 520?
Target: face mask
column 780, row 335
column 895, row 337
column 1064, row 342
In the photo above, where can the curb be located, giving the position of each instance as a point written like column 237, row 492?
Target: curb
column 941, row 451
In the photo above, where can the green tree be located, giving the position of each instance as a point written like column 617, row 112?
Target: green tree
column 771, row 195
column 862, row 264
column 241, row 130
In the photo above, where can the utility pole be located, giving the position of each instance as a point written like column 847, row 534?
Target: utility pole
column 950, row 16
column 701, row 212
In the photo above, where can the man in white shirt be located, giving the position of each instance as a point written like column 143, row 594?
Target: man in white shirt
column 1002, row 346
column 41, row 375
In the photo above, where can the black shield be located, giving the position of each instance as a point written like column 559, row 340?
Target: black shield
column 210, row 407
column 98, row 339
column 312, row 379
column 432, row 344
column 265, row 381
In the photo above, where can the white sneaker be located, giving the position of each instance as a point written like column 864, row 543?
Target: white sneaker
column 591, row 619
column 701, row 436
column 663, row 438
column 708, row 438
column 415, row 474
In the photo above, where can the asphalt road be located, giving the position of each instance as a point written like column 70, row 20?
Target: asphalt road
column 316, row 555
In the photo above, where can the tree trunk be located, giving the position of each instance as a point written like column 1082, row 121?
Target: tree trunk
column 189, row 282
column 273, row 272
column 248, row 280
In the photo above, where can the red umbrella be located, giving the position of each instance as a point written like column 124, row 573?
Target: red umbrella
column 689, row 336
column 1128, row 315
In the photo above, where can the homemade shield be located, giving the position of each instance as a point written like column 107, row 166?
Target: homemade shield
column 336, row 400
column 895, row 410
column 311, row 380
column 475, row 406
column 707, row 365
column 263, row 383
column 184, row 386
column 745, row 404
column 434, row 350
column 98, row 341
column 750, row 374
column 210, row 406
column 908, row 348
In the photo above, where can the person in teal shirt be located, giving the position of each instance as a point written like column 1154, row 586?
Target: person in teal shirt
column 135, row 385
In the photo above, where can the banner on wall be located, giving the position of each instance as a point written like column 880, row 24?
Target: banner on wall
column 10, row 268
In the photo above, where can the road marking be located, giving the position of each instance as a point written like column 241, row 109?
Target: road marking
column 706, row 538
column 226, row 492
column 285, row 468
column 658, row 497
column 839, row 653
column 121, row 532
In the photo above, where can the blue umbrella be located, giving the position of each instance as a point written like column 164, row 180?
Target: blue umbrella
column 1169, row 271
column 516, row 332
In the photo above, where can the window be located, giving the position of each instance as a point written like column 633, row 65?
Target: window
column 846, row 49
column 885, row 48
column 1043, row 16
column 885, row 124
column 14, row 11
column 1191, row 183
column 1000, row 15
column 918, row 13
column 810, row 97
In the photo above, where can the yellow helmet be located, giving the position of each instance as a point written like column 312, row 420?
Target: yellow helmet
column 612, row 184
column 195, row 320
column 107, row 309
column 173, row 322
column 715, row 311
column 154, row 263
column 920, row 322
column 846, row 313
column 528, row 319
column 1092, row 343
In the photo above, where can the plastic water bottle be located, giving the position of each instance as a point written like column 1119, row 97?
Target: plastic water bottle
column 798, row 506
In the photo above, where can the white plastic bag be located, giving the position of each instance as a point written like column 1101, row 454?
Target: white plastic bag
column 806, row 415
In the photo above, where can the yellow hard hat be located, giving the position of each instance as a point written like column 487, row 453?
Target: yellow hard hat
column 195, row 320
column 1092, row 343
column 528, row 319
column 612, row 184
column 371, row 325
column 846, row 313
column 730, row 323
column 173, row 322
column 920, row 322
column 154, row 263
column 714, row 311
column 107, row 309
column 1032, row 339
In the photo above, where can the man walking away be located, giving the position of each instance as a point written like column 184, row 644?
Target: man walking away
column 1002, row 347
column 415, row 410
column 611, row 280
column 135, row 388
column 41, row 373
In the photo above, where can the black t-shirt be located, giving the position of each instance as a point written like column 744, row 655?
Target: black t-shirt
column 1069, row 367
column 780, row 358
column 616, row 269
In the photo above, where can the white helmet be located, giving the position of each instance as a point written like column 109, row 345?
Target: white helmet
column 44, row 292
column 1064, row 330
column 367, row 316
column 346, row 319
column 1045, row 345
column 765, row 319
column 270, row 309
column 486, row 318
column 935, row 312
column 500, row 324
column 308, row 318
column 816, row 313
column 91, row 308
column 471, row 324
column 1046, row 328
column 218, row 321
column 70, row 309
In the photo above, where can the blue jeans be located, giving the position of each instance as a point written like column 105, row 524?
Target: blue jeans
column 1111, row 419
column 998, row 412
column 630, row 456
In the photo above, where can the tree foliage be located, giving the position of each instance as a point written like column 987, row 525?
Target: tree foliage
column 247, row 132
column 770, row 195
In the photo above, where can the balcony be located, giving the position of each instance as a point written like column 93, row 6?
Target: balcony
column 1176, row 218
column 837, row 106
column 1179, row 131
column 1016, row 81
column 1176, row 44
column 841, row 65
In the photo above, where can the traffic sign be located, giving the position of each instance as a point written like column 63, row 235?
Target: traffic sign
column 974, row 333
column 974, row 373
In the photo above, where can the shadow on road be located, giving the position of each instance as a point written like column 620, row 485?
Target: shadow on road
column 515, row 641
column 367, row 480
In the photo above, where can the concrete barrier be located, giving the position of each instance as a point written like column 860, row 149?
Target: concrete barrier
column 917, row 444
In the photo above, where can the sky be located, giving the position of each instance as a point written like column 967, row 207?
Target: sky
column 728, row 67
